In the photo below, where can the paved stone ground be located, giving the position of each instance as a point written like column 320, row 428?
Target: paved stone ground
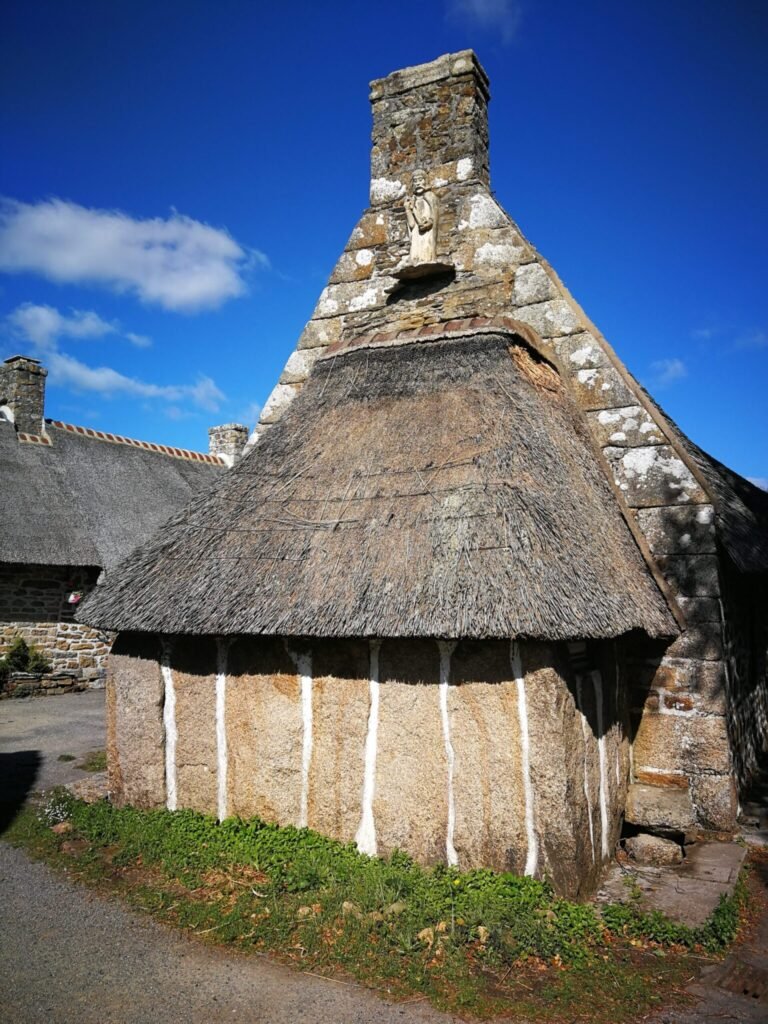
column 35, row 731
column 687, row 892
column 69, row 956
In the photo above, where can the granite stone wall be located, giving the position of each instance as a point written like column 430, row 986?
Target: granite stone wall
column 476, row 753
column 33, row 604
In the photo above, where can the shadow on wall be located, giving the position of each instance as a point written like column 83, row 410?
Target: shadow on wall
column 18, row 774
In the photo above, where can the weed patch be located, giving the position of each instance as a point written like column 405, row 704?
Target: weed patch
column 480, row 941
column 94, row 761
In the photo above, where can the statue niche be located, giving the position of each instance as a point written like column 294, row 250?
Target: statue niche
column 422, row 216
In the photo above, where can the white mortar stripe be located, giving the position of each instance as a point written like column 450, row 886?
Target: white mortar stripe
column 303, row 662
column 597, row 686
column 366, row 833
column 532, row 856
column 446, row 649
column 169, row 726
column 221, row 726
column 585, row 733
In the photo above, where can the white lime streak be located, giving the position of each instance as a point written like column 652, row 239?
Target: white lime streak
column 221, row 725
column 532, row 856
column 446, row 649
column 169, row 726
column 366, row 833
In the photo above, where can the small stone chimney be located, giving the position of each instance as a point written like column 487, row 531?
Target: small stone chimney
column 22, row 393
column 228, row 441
column 434, row 117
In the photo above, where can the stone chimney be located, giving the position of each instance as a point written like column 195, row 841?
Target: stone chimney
column 434, row 117
column 22, row 393
column 228, row 441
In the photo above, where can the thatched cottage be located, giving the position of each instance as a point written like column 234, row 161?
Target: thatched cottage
column 470, row 594
column 74, row 501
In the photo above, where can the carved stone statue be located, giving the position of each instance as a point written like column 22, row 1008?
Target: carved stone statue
column 421, row 214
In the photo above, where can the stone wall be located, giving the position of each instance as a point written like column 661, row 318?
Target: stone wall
column 33, row 604
column 476, row 754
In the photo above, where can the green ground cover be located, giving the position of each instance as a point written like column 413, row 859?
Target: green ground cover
column 479, row 941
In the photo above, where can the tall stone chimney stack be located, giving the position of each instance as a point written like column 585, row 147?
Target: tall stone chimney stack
column 22, row 392
column 228, row 441
column 432, row 117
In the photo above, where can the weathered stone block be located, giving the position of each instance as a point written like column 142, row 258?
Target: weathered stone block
column 692, row 575
column 320, row 333
column 480, row 210
column 581, row 352
column 705, row 680
column 354, row 266
column 716, row 801
column 551, row 319
column 370, row 231
column 648, row 849
column 278, row 402
column 299, row 365
column 601, row 388
column 657, row 807
column 653, row 476
column 628, row 427
column 703, row 642
column 532, row 284
column 682, row 743
column 698, row 610
column 678, row 530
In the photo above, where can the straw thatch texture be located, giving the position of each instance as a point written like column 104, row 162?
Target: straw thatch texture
column 435, row 490
column 82, row 501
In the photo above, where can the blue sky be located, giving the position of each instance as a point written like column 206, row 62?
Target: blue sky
column 180, row 177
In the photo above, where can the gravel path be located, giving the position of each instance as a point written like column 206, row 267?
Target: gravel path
column 69, row 956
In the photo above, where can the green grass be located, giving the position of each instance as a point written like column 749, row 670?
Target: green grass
column 479, row 941
column 94, row 761
column 66, row 757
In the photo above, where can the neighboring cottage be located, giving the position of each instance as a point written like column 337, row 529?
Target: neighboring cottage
column 471, row 594
column 74, row 501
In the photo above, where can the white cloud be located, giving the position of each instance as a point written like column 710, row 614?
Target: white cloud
column 667, row 371
column 41, row 328
column 67, row 371
column 139, row 340
column 759, row 481
column 752, row 340
column 501, row 16
column 178, row 263
column 705, row 333
column 43, row 325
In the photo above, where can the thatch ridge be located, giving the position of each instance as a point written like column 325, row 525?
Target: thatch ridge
column 440, row 490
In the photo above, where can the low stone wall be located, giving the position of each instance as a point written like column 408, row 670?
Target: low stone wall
column 478, row 754
column 48, row 684
column 33, row 604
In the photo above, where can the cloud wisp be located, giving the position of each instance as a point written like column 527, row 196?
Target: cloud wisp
column 667, row 371
column 178, row 263
column 42, row 327
column 501, row 16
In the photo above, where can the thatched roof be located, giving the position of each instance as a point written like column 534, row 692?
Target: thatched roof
column 81, row 500
column 444, row 489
